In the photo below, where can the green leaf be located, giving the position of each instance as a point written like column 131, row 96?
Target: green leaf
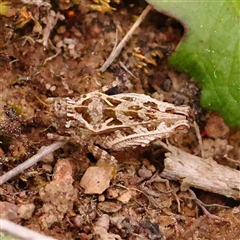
column 210, row 50
column 4, row 236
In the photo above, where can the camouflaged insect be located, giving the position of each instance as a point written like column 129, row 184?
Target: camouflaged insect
column 115, row 122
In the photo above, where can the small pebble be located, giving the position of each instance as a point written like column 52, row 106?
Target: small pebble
column 144, row 173
column 216, row 127
column 9, row 211
column 101, row 198
column 25, row 211
column 61, row 30
column 48, row 168
column 71, row 46
column 68, row 41
column 78, row 220
column 109, row 207
column 47, row 86
column 152, row 168
column 59, row 44
column 52, row 88
column 112, row 193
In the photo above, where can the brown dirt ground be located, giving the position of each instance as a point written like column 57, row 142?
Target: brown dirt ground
column 47, row 197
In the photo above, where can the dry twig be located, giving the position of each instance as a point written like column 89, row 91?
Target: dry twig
column 31, row 161
column 116, row 50
column 206, row 212
column 50, row 21
column 126, row 69
column 19, row 231
column 205, row 174
column 199, row 137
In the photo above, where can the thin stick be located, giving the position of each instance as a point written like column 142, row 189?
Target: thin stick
column 129, row 34
column 31, row 161
column 113, row 51
column 116, row 40
column 199, row 137
column 206, row 212
column 19, row 231
column 125, row 68
column 205, row 174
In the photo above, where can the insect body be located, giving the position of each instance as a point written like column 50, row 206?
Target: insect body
column 116, row 122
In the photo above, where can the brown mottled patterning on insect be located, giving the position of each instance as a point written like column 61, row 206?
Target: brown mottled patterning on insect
column 115, row 122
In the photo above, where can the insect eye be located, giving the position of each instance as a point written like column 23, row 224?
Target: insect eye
column 60, row 107
column 57, row 105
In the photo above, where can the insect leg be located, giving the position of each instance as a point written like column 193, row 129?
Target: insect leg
column 57, row 137
column 101, row 154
